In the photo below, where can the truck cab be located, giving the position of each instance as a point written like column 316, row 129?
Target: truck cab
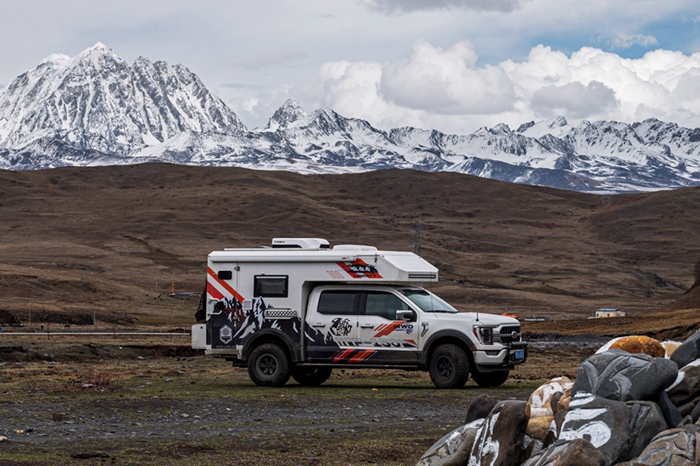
column 301, row 309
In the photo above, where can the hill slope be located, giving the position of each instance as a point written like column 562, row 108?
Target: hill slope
column 84, row 239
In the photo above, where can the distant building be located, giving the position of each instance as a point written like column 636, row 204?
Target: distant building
column 609, row 312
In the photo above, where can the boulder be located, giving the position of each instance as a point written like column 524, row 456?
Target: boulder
column 500, row 438
column 672, row 414
column 565, row 399
column 531, row 447
column 554, row 428
column 687, row 384
column 540, row 402
column 639, row 344
column 673, row 447
column 577, row 452
column 621, row 376
column 688, row 351
column 646, row 421
column 453, row 449
column 479, row 408
column 670, row 347
column 607, row 346
column 538, row 427
column 618, row 430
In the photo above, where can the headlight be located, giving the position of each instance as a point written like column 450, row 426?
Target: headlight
column 484, row 334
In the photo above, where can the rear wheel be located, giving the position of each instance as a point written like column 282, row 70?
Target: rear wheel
column 490, row 379
column 311, row 376
column 269, row 365
column 449, row 366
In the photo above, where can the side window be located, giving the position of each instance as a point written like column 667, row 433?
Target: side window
column 224, row 274
column 271, row 286
column 337, row 302
column 383, row 305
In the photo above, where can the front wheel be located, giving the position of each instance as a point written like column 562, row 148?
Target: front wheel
column 449, row 366
column 311, row 376
column 490, row 379
column 269, row 366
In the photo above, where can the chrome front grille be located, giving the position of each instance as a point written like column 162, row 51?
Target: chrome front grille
column 510, row 334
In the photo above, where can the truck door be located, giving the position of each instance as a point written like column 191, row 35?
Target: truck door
column 331, row 326
column 395, row 341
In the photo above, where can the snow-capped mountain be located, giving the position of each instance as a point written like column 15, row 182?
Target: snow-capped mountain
column 95, row 109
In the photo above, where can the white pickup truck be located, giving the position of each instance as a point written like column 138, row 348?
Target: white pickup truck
column 300, row 309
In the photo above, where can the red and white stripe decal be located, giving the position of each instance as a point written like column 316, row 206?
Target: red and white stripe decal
column 218, row 289
column 385, row 329
column 364, row 354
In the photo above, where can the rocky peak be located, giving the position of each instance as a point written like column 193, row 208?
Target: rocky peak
column 288, row 113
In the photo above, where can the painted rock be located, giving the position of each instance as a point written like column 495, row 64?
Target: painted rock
column 531, row 447
column 479, row 408
column 670, row 347
column 618, row 430
column 555, row 428
column 640, row 344
column 673, row 447
column 646, row 421
column 687, row 384
column 671, row 413
column 607, row 346
column 563, row 403
column 618, row 375
column 540, row 402
column 537, row 427
column 577, row 452
column 454, row 448
column 688, row 351
column 500, row 438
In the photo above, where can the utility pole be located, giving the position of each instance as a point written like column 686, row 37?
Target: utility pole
column 416, row 244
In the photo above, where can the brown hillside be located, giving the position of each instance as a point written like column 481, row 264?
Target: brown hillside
column 86, row 240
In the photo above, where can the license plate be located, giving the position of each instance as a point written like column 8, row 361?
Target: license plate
column 519, row 354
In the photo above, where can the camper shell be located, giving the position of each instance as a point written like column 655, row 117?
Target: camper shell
column 300, row 308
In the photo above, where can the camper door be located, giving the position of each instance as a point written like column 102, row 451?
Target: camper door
column 224, row 306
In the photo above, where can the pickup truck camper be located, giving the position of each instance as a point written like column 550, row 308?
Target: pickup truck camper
column 301, row 308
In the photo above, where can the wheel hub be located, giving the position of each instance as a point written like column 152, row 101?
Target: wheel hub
column 267, row 365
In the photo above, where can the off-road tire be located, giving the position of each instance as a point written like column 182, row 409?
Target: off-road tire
column 490, row 379
column 269, row 365
column 311, row 376
column 449, row 366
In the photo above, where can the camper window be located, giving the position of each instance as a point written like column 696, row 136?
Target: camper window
column 267, row 286
column 337, row 302
column 224, row 274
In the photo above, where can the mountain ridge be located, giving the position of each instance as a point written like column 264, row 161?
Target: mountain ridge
column 95, row 109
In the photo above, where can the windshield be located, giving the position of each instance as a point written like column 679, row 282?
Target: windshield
column 428, row 301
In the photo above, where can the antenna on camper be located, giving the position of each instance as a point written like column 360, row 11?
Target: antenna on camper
column 416, row 244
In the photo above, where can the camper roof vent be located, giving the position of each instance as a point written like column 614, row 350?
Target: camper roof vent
column 353, row 247
column 300, row 243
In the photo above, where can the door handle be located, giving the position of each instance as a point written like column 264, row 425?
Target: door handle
column 318, row 324
column 366, row 326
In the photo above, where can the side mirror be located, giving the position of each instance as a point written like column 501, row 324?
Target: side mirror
column 406, row 315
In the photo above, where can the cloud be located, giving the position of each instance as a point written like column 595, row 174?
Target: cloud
column 626, row 41
column 574, row 99
column 407, row 6
column 264, row 60
column 448, row 90
column 447, row 82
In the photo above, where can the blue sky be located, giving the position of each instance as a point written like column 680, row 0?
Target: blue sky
column 453, row 65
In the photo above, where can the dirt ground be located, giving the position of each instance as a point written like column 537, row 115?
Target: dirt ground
column 119, row 402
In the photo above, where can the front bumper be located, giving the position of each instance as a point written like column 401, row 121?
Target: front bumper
column 500, row 359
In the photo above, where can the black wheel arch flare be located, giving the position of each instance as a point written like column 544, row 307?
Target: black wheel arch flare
column 271, row 335
column 447, row 336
